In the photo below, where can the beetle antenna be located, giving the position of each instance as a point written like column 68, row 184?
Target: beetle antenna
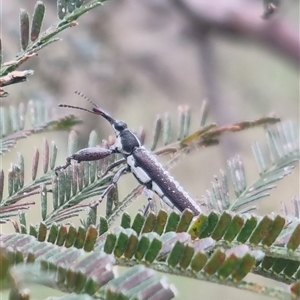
column 85, row 98
column 96, row 109
column 77, row 107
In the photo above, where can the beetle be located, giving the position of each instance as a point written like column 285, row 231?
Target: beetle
column 139, row 161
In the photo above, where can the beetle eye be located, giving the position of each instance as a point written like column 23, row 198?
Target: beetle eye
column 120, row 125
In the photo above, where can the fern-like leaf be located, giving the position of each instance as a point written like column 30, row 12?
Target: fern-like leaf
column 38, row 40
column 74, row 270
column 283, row 142
column 13, row 122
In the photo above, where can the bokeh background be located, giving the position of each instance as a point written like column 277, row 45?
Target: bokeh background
column 141, row 58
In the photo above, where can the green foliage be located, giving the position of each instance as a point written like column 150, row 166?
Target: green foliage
column 222, row 245
column 32, row 40
column 283, row 146
column 194, row 248
column 76, row 271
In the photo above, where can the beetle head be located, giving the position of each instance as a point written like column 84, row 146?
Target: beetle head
column 126, row 140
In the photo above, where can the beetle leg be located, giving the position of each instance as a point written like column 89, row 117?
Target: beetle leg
column 68, row 163
column 150, row 206
column 86, row 154
column 115, row 179
column 113, row 165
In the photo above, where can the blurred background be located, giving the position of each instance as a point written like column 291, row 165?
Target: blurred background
column 142, row 58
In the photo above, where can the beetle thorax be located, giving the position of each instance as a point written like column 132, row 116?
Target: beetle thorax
column 126, row 142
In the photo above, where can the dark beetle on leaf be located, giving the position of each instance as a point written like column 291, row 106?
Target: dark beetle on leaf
column 139, row 161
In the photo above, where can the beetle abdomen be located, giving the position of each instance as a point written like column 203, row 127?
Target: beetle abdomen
column 151, row 173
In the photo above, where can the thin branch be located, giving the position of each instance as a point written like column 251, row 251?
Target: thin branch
column 243, row 19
